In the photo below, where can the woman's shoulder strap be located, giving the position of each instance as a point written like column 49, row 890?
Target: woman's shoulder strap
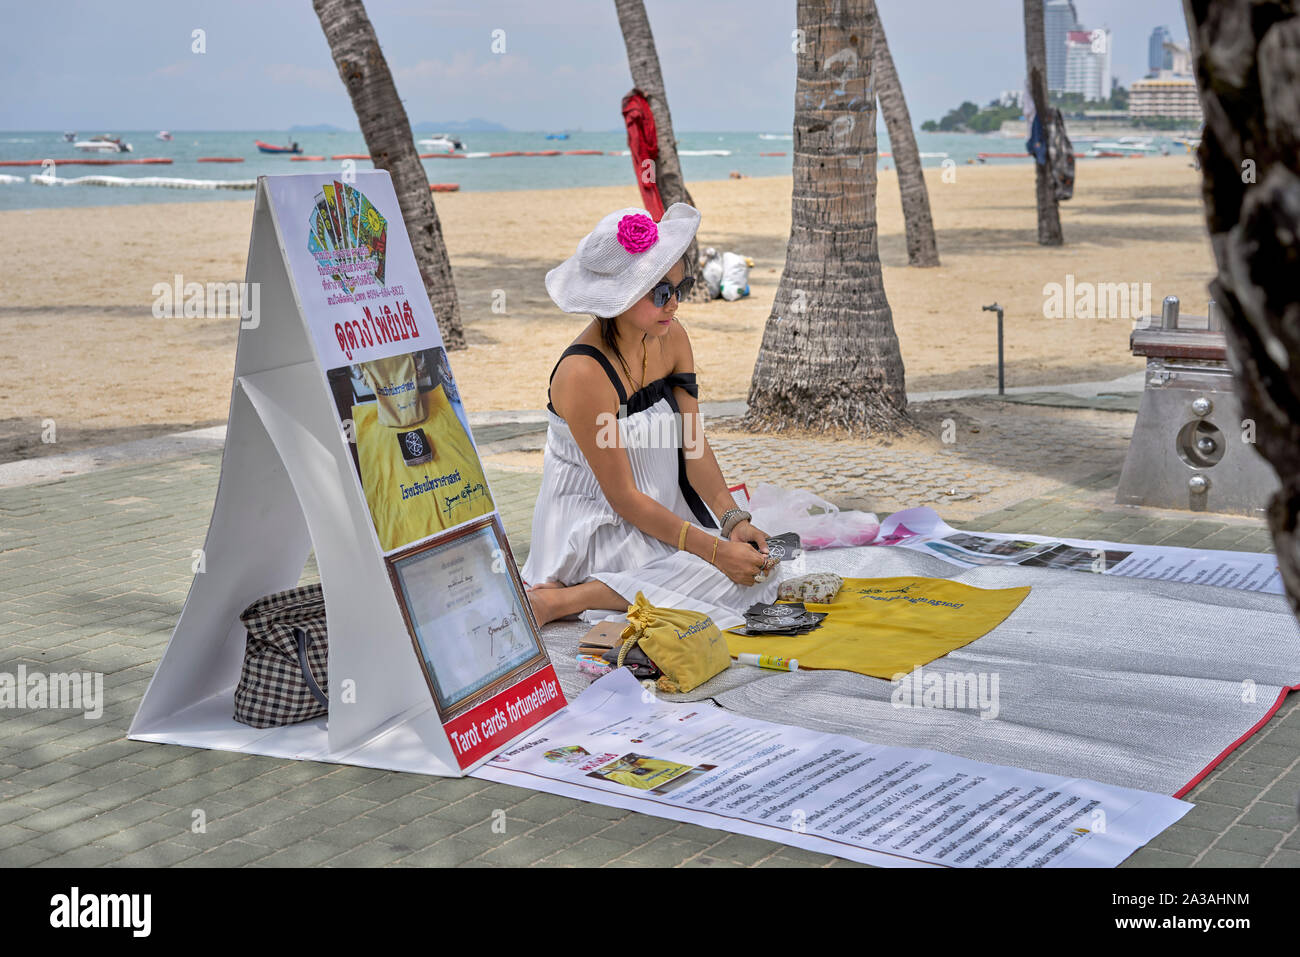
column 584, row 349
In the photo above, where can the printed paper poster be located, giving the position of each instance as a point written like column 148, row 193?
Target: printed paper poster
column 921, row 529
column 640, row 771
column 376, row 336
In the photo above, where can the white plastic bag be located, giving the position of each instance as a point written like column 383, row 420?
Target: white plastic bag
column 735, row 276
column 818, row 523
column 711, row 271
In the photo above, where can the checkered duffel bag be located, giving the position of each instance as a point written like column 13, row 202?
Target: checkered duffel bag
column 286, row 661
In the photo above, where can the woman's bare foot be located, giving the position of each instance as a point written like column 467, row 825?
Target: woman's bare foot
column 552, row 600
column 546, row 607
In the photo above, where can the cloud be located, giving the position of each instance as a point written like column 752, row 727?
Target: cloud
column 291, row 74
column 464, row 66
column 179, row 68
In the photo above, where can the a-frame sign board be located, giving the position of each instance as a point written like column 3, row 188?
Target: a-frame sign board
column 347, row 437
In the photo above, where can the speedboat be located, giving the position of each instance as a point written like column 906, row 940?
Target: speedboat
column 440, row 143
column 103, row 144
column 164, row 136
column 272, row 148
column 1142, row 144
column 70, row 137
column 1127, row 145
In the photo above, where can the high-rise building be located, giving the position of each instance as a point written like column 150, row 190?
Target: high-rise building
column 1178, row 59
column 1157, row 58
column 1087, row 64
column 1059, row 18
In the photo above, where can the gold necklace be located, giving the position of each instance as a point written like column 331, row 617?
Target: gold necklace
column 644, row 356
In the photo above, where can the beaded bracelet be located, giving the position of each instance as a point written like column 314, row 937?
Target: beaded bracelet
column 732, row 518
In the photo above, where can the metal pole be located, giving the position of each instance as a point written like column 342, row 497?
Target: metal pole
column 1001, row 379
column 1169, row 313
column 1214, row 317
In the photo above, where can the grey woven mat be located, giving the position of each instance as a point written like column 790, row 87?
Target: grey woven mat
column 1125, row 681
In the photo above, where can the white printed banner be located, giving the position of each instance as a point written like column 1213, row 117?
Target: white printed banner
column 922, row 530
column 619, row 745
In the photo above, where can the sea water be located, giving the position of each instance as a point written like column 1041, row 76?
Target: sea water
column 472, row 174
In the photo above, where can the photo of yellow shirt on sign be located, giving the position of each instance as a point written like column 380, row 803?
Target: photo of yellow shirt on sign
column 419, row 470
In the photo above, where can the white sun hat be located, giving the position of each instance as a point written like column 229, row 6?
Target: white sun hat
column 622, row 259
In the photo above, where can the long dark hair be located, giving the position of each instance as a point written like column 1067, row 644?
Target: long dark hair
column 608, row 336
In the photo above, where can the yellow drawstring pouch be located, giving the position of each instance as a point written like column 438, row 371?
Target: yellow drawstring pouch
column 685, row 645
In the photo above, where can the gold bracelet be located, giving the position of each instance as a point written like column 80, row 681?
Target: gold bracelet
column 681, row 539
column 715, row 552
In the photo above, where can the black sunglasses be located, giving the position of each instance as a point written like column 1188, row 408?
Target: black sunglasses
column 665, row 289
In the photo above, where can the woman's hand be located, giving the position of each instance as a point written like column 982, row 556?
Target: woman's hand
column 745, row 532
column 739, row 561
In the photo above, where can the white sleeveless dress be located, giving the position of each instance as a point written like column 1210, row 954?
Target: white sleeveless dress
column 577, row 536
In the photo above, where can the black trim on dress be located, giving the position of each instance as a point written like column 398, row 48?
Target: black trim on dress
column 642, row 399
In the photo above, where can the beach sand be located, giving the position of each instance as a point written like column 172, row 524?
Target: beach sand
column 83, row 349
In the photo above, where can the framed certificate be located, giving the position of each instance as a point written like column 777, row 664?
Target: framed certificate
column 464, row 604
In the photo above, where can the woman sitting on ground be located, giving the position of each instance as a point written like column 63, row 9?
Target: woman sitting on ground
column 628, row 473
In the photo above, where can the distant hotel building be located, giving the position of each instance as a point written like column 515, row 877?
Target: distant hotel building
column 1166, row 95
column 1059, row 18
column 1171, row 92
column 1087, row 63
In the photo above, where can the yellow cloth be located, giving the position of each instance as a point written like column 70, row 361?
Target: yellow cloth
column 439, row 494
column 887, row 626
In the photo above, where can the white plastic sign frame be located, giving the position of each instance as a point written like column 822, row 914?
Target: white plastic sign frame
column 288, row 486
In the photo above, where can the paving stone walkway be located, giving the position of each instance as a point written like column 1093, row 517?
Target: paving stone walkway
column 94, row 570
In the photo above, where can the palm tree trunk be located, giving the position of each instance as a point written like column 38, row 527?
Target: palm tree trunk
column 921, row 247
column 829, row 357
column 1049, row 216
column 365, row 73
column 1246, row 53
column 643, row 60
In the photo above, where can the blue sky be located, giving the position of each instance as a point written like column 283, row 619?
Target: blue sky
column 727, row 63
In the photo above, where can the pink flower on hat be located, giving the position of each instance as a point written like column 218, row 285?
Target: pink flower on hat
column 637, row 232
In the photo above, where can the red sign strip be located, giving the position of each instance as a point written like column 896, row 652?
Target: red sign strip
column 488, row 727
